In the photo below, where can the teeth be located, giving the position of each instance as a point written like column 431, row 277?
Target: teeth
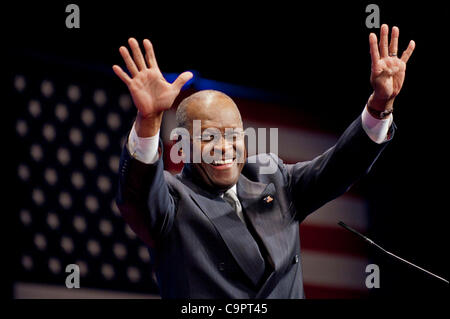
column 222, row 162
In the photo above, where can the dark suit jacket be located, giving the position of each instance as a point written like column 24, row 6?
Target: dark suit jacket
column 200, row 247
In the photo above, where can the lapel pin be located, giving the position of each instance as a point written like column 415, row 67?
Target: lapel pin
column 268, row 199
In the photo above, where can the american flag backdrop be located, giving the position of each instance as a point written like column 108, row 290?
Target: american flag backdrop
column 71, row 121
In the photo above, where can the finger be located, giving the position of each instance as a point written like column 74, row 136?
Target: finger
column 384, row 41
column 121, row 74
column 393, row 47
column 374, row 53
column 137, row 54
column 128, row 61
column 181, row 80
column 150, row 54
column 409, row 50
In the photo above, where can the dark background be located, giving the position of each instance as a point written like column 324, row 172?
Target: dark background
column 317, row 55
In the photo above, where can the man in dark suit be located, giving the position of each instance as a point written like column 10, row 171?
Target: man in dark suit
column 222, row 228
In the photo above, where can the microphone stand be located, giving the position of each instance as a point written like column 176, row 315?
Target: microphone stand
column 371, row 242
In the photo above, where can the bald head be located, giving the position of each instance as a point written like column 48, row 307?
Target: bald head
column 205, row 105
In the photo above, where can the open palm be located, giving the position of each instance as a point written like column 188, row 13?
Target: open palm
column 151, row 93
column 388, row 70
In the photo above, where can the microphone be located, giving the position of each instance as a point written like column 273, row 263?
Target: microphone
column 371, row 242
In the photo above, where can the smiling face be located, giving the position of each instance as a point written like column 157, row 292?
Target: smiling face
column 219, row 117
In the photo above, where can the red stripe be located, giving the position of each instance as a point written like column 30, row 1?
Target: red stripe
column 278, row 114
column 168, row 164
column 321, row 292
column 269, row 113
column 331, row 240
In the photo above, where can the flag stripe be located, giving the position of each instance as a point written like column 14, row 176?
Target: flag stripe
column 331, row 240
column 334, row 270
column 325, row 292
column 350, row 209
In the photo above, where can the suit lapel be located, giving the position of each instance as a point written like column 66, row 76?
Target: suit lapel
column 260, row 212
column 263, row 210
column 234, row 233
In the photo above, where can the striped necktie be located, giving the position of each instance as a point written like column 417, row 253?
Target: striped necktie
column 231, row 197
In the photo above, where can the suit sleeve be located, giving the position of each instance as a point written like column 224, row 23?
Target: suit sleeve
column 144, row 198
column 314, row 183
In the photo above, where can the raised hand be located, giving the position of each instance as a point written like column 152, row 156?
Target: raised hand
column 151, row 93
column 388, row 70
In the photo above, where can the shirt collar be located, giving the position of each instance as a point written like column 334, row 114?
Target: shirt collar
column 233, row 188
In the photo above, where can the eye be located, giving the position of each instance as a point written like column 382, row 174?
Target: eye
column 207, row 137
column 233, row 136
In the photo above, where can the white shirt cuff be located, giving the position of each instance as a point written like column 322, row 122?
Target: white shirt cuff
column 376, row 129
column 144, row 149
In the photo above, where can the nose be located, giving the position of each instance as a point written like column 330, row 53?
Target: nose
column 224, row 146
